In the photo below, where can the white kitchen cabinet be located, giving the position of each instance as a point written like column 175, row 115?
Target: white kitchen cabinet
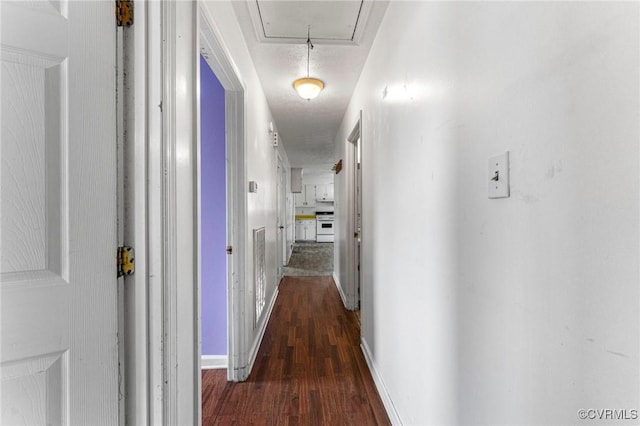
column 324, row 192
column 300, row 230
column 305, row 230
column 310, row 195
column 310, row 230
column 307, row 198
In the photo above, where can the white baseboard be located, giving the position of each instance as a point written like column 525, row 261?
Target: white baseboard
column 253, row 353
column 211, row 362
column 382, row 389
column 342, row 295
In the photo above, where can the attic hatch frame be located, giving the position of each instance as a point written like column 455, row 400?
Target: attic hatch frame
column 356, row 38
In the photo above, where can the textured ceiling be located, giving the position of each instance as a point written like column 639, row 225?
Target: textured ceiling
column 275, row 33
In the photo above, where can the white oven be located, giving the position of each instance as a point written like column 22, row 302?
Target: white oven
column 324, row 227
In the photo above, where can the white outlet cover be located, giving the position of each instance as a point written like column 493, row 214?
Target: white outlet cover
column 498, row 176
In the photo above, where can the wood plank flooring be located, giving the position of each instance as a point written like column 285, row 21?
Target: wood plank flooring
column 309, row 369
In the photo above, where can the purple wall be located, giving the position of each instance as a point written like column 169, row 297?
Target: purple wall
column 213, row 190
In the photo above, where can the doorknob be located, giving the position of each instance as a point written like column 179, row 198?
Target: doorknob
column 281, row 227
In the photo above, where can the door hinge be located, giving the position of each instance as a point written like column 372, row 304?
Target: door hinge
column 126, row 261
column 124, row 13
column 229, row 250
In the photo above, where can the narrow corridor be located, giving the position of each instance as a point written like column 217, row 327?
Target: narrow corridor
column 310, row 259
column 309, row 370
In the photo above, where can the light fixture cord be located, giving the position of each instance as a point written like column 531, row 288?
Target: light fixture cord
column 309, row 47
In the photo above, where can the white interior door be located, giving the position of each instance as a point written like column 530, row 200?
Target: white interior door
column 358, row 220
column 58, row 213
column 282, row 221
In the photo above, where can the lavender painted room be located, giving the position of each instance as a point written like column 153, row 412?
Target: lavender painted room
column 213, row 214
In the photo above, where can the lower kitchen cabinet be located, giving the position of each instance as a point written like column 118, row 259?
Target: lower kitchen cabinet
column 305, row 230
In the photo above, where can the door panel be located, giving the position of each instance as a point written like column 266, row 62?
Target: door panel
column 57, row 213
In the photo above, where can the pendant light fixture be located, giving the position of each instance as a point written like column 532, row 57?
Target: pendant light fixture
column 308, row 87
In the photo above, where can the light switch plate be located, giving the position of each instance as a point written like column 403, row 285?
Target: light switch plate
column 498, row 176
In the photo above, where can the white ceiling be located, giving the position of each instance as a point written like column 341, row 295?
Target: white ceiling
column 276, row 33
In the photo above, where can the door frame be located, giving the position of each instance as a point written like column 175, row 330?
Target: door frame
column 154, row 120
column 162, row 331
column 353, row 298
column 140, row 306
column 281, row 215
column 178, row 221
column 174, row 327
column 225, row 71
column 141, row 302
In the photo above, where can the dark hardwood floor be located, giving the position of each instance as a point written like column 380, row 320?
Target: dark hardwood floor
column 309, row 370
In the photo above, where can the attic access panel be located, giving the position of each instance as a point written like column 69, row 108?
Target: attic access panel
column 335, row 21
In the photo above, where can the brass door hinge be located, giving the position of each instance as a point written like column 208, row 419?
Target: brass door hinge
column 124, row 13
column 126, row 261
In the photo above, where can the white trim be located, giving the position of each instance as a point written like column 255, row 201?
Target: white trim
column 352, row 301
column 179, row 249
column 380, row 386
column 136, row 120
column 144, row 291
column 150, row 77
column 253, row 352
column 198, row 223
column 281, row 213
column 213, row 362
column 339, row 286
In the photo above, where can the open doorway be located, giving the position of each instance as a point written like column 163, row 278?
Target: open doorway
column 213, row 221
column 235, row 208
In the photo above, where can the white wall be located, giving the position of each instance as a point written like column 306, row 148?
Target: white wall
column 317, row 179
column 510, row 311
column 260, row 156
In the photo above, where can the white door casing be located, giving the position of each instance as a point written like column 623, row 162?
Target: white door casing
column 218, row 58
column 353, row 292
column 58, row 213
column 281, row 208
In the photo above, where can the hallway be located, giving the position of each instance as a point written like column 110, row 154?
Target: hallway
column 471, row 171
column 310, row 259
column 309, row 369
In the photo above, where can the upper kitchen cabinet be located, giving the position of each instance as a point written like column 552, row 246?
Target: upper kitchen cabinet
column 324, row 192
column 307, row 198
